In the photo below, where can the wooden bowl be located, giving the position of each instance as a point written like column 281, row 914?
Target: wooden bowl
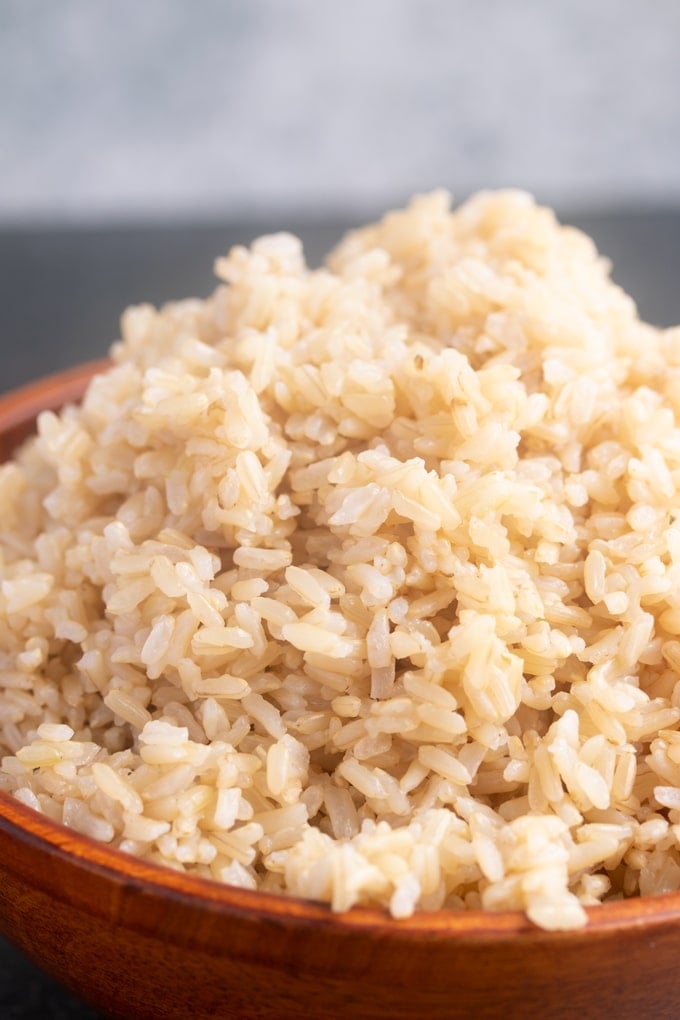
column 137, row 940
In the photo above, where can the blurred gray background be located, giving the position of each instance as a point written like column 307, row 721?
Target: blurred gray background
column 171, row 109
column 140, row 138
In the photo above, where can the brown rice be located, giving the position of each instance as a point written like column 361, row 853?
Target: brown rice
column 362, row 584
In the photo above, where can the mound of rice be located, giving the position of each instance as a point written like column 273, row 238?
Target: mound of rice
column 362, row 584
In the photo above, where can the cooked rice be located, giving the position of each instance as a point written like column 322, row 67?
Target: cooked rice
column 362, row 584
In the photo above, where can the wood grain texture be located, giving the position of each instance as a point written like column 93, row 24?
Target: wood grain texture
column 140, row 941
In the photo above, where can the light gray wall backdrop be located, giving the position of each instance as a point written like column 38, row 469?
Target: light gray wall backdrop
column 170, row 109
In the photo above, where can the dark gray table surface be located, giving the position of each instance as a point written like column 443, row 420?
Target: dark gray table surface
column 61, row 294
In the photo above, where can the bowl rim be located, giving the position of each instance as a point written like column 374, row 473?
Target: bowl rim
column 133, row 875
column 18, row 409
